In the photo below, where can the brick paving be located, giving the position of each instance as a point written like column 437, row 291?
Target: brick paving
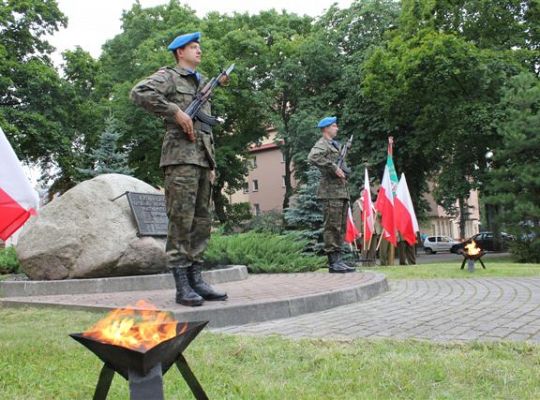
column 257, row 288
column 258, row 298
column 439, row 309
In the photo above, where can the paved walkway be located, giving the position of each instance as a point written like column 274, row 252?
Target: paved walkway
column 438, row 309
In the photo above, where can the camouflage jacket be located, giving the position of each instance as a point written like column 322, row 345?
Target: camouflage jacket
column 324, row 156
column 163, row 93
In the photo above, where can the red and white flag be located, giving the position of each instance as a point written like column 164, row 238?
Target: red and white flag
column 368, row 221
column 18, row 200
column 404, row 214
column 385, row 206
column 351, row 232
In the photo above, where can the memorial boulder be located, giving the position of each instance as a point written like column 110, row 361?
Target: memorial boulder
column 90, row 231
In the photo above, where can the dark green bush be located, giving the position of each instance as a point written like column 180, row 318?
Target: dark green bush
column 263, row 252
column 526, row 250
column 9, row 263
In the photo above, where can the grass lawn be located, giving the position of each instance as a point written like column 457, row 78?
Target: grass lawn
column 501, row 266
column 495, row 267
column 39, row 361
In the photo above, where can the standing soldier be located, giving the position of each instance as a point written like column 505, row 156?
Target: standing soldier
column 188, row 161
column 332, row 192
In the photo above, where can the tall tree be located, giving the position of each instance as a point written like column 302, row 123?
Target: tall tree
column 355, row 32
column 437, row 92
column 30, row 87
column 514, row 181
column 108, row 158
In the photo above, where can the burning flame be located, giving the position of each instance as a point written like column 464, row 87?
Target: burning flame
column 139, row 328
column 472, row 249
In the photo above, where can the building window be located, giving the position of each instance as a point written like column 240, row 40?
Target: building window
column 254, row 162
column 282, row 158
column 245, row 187
column 282, row 180
column 255, row 185
column 257, row 209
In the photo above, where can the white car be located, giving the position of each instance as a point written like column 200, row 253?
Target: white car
column 433, row 244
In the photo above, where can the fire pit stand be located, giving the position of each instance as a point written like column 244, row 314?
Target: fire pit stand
column 144, row 369
column 470, row 260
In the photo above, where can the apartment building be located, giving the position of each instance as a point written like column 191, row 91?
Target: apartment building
column 265, row 185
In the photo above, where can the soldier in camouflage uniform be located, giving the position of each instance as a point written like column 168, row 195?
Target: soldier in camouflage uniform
column 332, row 192
column 188, row 160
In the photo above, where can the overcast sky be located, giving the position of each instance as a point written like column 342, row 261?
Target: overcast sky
column 91, row 23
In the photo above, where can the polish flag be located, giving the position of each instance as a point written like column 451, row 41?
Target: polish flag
column 367, row 211
column 404, row 215
column 18, row 200
column 385, row 205
column 352, row 231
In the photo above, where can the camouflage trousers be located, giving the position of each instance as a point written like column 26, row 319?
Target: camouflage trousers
column 335, row 223
column 188, row 193
column 407, row 253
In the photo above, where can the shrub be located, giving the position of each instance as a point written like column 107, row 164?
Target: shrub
column 238, row 216
column 9, row 263
column 305, row 213
column 263, row 252
column 526, row 250
column 267, row 222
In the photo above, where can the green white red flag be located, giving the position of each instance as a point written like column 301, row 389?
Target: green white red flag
column 385, row 206
column 385, row 198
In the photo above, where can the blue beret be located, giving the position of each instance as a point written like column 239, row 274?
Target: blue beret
column 326, row 121
column 182, row 40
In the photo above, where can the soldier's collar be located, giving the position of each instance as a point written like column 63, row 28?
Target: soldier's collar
column 187, row 72
column 183, row 71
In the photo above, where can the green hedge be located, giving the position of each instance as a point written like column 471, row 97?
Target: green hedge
column 263, row 252
column 9, row 263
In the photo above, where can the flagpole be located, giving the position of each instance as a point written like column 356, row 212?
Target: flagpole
column 363, row 223
column 380, row 240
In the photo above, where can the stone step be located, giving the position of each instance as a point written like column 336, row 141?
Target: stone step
column 258, row 298
column 113, row 284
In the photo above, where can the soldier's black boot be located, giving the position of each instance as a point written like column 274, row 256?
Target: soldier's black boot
column 344, row 264
column 185, row 294
column 201, row 287
column 335, row 266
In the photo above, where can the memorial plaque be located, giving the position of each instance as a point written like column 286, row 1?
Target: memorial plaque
column 149, row 212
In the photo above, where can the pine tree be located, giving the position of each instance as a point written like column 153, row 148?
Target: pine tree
column 305, row 214
column 106, row 159
column 514, row 185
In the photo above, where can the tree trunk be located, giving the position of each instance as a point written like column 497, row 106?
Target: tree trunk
column 288, row 185
column 463, row 214
column 220, row 201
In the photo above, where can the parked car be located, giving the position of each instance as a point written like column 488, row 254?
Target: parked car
column 433, row 244
column 485, row 240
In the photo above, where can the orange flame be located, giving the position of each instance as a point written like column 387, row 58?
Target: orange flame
column 472, row 249
column 139, row 328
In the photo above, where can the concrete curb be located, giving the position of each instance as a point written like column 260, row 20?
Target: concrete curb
column 270, row 310
column 114, row 284
column 223, row 314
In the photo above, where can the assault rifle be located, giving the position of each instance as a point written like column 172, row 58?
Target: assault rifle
column 194, row 109
column 343, row 155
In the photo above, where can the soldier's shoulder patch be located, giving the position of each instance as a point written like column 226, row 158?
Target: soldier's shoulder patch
column 161, row 75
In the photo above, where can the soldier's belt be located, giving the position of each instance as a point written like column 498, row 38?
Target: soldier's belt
column 197, row 125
